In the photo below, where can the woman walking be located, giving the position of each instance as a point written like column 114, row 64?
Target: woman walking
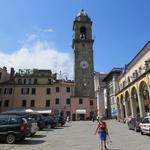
column 102, row 133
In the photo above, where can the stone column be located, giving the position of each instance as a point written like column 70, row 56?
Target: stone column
column 133, row 110
column 126, row 108
column 141, row 105
column 148, row 84
column 121, row 108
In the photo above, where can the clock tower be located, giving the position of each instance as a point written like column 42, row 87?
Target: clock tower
column 83, row 55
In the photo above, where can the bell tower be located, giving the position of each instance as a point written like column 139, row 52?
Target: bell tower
column 82, row 45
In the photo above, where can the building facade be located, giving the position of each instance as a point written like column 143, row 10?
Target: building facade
column 111, row 80
column 37, row 89
column 134, row 85
column 100, row 86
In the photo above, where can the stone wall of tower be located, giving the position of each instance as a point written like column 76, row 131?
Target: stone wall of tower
column 83, row 57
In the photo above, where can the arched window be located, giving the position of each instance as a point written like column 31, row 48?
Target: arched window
column 82, row 33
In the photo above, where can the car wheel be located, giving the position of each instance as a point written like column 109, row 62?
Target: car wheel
column 141, row 133
column 10, row 139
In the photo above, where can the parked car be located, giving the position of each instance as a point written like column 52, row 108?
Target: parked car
column 134, row 123
column 29, row 113
column 145, row 125
column 40, row 120
column 13, row 128
column 51, row 122
column 61, row 120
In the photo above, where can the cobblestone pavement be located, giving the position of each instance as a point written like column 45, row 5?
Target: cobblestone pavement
column 80, row 136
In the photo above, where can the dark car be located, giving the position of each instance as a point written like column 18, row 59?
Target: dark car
column 13, row 128
column 133, row 123
column 40, row 120
column 51, row 122
column 61, row 120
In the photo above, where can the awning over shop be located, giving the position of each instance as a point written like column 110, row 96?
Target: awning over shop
column 44, row 111
column 19, row 111
column 81, row 111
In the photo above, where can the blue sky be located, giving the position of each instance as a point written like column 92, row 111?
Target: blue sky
column 44, row 27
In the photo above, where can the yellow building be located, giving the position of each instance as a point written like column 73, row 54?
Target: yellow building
column 35, row 89
column 134, row 86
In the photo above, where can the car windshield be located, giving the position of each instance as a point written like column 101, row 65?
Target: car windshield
column 146, row 120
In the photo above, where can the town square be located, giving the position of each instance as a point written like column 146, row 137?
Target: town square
column 80, row 135
column 74, row 75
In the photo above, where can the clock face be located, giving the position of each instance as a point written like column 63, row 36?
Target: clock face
column 84, row 64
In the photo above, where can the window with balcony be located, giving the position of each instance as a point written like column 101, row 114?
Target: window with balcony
column 57, row 101
column 80, row 101
column 33, row 92
column 35, row 81
column 68, row 101
column 24, row 91
column 30, row 81
column 128, row 79
column 91, row 102
column 25, row 81
column 24, row 103
column 49, row 81
column 146, row 65
column 123, row 83
column 6, row 103
column 68, row 89
column 8, row 91
column 47, row 103
column 136, row 73
column 57, row 89
column 19, row 81
column 32, row 104
column 48, row 91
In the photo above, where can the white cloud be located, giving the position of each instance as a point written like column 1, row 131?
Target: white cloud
column 48, row 30
column 38, row 54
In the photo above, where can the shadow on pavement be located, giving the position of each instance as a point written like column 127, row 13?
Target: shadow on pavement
column 66, row 126
column 38, row 136
column 114, row 149
column 59, row 128
column 30, row 142
column 46, row 129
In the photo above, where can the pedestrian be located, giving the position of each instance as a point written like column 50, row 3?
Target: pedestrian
column 102, row 132
column 68, row 119
column 93, row 118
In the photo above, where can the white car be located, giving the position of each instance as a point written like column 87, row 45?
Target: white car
column 145, row 125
